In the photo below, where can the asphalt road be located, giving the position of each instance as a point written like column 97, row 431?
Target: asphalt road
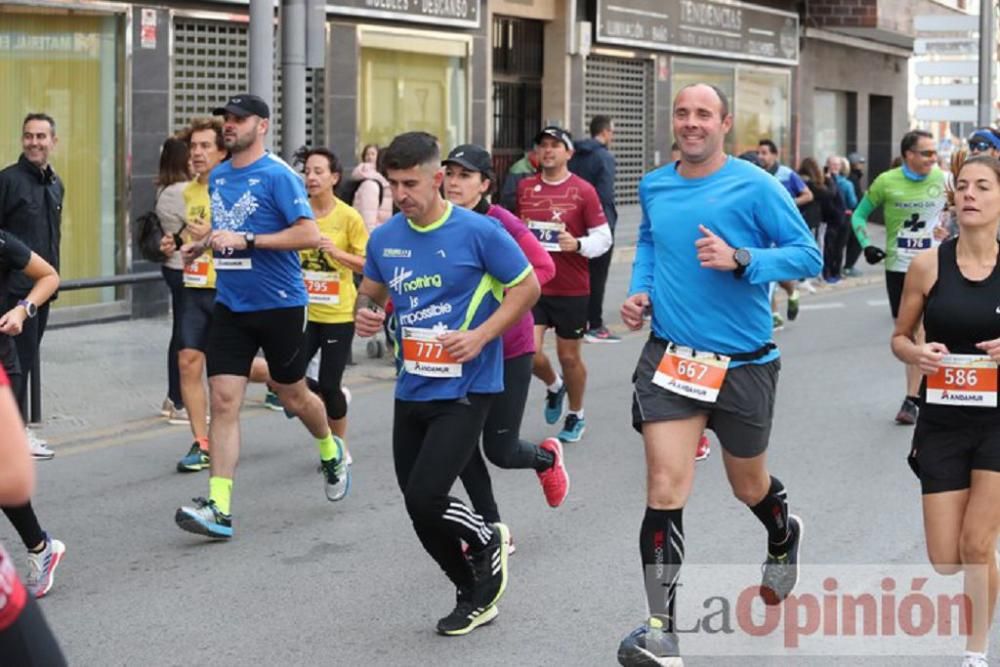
column 308, row 582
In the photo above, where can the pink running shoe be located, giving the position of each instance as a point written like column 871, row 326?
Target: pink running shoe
column 555, row 480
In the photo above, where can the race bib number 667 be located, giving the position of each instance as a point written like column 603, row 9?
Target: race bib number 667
column 697, row 375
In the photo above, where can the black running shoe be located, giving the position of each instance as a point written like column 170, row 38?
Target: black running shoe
column 466, row 616
column 907, row 414
column 781, row 572
column 489, row 567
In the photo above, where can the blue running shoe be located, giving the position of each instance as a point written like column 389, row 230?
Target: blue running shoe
column 650, row 646
column 195, row 460
column 554, row 404
column 336, row 474
column 206, row 519
column 272, row 402
column 573, row 428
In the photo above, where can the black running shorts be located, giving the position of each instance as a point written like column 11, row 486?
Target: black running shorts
column 234, row 339
column 196, row 317
column 945, row 456
column 741, row 417
column 894, row 288
column 566, row 314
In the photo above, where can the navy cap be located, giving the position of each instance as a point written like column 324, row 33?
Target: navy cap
column 472, row 157
column 243, row 106
column 557, row 132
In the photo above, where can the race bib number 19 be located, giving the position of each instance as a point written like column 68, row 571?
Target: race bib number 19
column 547, row 233
column 424, row 354
column 697, row 375
column 964, row 380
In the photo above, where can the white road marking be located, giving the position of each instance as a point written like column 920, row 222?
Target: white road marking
column 822, row 306
column 878, row 302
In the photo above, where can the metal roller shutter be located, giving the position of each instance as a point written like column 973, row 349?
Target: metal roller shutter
column 210, row 65
column 623, row 89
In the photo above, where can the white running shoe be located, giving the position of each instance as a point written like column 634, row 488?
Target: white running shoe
column 37, row 446
column 42, row 567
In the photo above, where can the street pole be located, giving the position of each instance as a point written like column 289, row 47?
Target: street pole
column 293, row 77
column 987, row 50
column 261, row 47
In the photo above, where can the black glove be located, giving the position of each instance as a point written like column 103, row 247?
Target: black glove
column 874, row 254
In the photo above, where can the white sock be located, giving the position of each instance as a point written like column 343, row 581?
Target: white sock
column 578, row 413
column 556, row 386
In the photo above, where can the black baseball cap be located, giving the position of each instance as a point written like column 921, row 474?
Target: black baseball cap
column 243, row 106
column 472, row 157
column 557, row 132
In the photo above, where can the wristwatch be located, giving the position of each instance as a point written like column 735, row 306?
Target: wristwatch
column 251, row 239
column 742, row 258
column 579, row 245
column 30, row 308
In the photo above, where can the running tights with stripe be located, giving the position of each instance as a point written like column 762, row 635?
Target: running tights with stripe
column 432, row 443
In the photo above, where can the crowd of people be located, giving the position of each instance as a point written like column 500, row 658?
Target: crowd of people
column 274, row 269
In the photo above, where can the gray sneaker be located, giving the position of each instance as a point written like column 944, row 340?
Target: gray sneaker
column 42, row 567
column 336, row 474
column 650, row 645
column 781, row 573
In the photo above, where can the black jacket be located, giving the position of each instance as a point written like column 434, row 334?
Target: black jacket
column 31, row 209
column 593, row 163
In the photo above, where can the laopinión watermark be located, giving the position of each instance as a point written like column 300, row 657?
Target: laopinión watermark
column 846, row 610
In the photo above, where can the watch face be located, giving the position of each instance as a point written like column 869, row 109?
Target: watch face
column 742, row 257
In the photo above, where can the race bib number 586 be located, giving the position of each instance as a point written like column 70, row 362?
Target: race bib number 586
column 964, row 379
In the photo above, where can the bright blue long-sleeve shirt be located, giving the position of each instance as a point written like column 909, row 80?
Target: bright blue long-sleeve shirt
column 706, row 309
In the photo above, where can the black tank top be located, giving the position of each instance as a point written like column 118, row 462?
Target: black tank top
column 960, row 313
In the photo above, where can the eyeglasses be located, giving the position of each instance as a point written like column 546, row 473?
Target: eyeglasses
column 980, row 146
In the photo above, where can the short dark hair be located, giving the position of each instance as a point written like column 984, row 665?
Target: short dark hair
column 723, row 100
column 173, row 163
column 770, row 145
column 303, row 154
column 40, row 116
column 911, row 138
column 599, row 123
column 674, row 147
column 411, row 149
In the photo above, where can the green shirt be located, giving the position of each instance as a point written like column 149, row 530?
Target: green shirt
column 911, row 209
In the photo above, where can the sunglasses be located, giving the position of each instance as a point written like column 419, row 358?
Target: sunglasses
column 980, row 146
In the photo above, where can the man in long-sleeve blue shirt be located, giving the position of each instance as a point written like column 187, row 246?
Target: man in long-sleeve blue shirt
column 715, row 231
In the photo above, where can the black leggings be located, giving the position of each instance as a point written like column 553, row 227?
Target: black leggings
column 26, row 524
column 175, row 281
column 834, row 243
column 502, row 443
column 334, row 341
column 431, row 444
column 29, row 641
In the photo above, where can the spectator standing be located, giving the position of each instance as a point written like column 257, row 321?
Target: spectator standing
column 856, row 175
column 372, row 198
column 526, row 166
column 173, row 178
column 837, row 235
column 594, row 163
column 31, row 198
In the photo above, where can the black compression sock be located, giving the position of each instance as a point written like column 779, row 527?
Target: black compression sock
column 661, row 545
column 544, row 459
column 915, row 399
column 772, row 511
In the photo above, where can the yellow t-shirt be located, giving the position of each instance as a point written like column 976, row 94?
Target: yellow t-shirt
column 200, row 273
column 331, row 284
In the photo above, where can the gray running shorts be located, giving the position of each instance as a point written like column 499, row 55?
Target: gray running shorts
column 741, row 417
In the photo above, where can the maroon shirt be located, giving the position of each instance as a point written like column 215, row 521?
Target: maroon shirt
column 574, row 204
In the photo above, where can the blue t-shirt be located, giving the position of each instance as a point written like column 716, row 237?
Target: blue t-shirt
column 264, row 197
column 449, row 275
column 792, row 181
column 710, row 310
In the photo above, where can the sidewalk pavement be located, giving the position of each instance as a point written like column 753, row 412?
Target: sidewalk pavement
column 103, row 380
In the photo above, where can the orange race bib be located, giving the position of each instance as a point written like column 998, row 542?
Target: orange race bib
column 323, row 287
column 697, row 375
column 196, row 273
column 964, row 380
column 424, row 354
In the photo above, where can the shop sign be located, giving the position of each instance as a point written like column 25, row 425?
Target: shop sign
column 717, row 28
column 457, row 13
column 147, row 29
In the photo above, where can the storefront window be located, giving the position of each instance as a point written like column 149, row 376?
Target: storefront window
column 758, row 98
column 68, row 67
column 404, row 91
column 830, row 123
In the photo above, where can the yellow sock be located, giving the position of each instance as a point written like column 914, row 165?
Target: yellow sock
column 331, row 447
column 220, row 490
